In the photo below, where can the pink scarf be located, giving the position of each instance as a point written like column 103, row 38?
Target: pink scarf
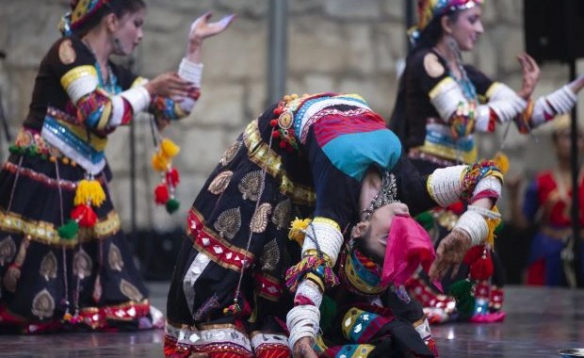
column 408, row 246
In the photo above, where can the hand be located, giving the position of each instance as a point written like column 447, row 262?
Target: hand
column 169, row 85
column 450, row 253
column 577, row 84
column 303, row 348
column 531, row 75
column 201, row 29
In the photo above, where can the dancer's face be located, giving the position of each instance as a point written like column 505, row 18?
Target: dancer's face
column 466, row 28
column 129, row 32
column 373, row 232
column 563, row 143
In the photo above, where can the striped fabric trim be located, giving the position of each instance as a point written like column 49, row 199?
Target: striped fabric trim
column 313, row 106
column 80, row 81
column 445, row 85
column 221, row 339
column 60, row 136
column 216, row 248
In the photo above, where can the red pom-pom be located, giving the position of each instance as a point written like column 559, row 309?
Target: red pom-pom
column 473, row 254
column 457, row 208
column 276, row 134
column 274, row 123
column 283, row 144
column 482, row 269
column 84, row 215
column 173, row 177
column 278, row 111
column 161, row 194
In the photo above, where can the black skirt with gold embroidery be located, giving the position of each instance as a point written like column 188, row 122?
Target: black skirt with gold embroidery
column 224, row 236
column 50, row 283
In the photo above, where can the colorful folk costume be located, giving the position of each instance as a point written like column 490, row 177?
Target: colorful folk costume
column 64, row 260
column 244, row 286
column 547, row 205
column 435, row 116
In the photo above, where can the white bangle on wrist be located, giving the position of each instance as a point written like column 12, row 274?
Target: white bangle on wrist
column 474, row 225
column 190, row 71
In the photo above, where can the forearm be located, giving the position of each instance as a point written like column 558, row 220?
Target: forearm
column 194, row 51
column 504, row 104
column 309, row 278
column 479, row 185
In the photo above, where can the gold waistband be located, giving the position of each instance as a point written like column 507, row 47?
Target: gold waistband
column 46, row 233
column 266, row 158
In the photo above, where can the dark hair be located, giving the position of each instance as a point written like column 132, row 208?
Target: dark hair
column 428, row 39
column 117, row 7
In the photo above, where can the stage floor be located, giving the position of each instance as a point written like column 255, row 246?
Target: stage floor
column 540, row 321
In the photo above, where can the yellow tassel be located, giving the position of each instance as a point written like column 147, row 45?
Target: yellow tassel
column 169, row 148
column 89, row 191
column 502, row 161
column 160, row 162
column 297, row 230
column 492, row 225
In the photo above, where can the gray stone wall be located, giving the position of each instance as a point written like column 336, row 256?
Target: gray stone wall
column 334, row 45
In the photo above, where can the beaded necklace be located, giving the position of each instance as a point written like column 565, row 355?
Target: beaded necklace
column 468, row 88
column 110, row 85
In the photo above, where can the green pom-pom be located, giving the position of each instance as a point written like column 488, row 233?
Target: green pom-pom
column 328, row 310
column 31, row 151
column 172, row 205
column 14, row 149
column 462, row 293
column 69, row 230
column 461, row 289
column 466, row 308
column 426, row 219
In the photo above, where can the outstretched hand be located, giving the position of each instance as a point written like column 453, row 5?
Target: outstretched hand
column 202, row 29
column 450, row 253
column 531, row 75
column 303, row 348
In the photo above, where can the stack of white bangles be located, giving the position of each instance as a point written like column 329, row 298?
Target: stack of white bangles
column 329, row 239
column 474, row 224
column 302, row 321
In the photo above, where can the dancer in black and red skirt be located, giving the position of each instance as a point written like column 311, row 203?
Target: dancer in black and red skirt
column 441, row 103
column 241, row 288
column 64, row 261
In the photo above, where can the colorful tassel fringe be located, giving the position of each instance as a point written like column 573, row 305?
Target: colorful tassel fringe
column 162, row 162
column 89, row 191
column 314, row 264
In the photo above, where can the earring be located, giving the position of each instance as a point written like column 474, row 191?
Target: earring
column 118, row 48
column 452, row 44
